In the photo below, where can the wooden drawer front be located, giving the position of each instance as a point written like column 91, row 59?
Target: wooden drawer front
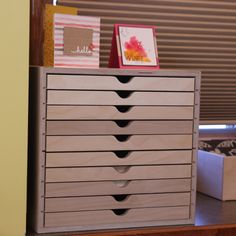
column 113, row 113
column 106, row 143
column 117, row 187
column 84, row 218
column 73, row 159
column 116, row 202
column 118, row 127
column 117, row 173
column 110, row 82
column 60, row 97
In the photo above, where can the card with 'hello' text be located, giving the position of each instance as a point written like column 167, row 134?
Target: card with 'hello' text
column 76, row 41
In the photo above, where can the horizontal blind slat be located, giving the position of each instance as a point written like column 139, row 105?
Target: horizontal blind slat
column 190, row 35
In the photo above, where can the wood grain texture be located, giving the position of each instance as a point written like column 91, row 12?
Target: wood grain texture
column 107, row 143
column 117, row 159
column 166, row 174
column 214, row 218
column 36, row 142
column 111, row 202
column 117, row 187
column 36, row 31
column 117, row 173
column 212, row 212
column 219, row 230
column 112, row 112
column 195, row 145
column 109, row 217
column 126, row 72
column 58, row 97
column 118, row 127
column 85, row 82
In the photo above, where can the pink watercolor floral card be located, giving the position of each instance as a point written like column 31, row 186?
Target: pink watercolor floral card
column 135, row 46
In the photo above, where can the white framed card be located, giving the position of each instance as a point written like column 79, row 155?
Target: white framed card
column 134, row 46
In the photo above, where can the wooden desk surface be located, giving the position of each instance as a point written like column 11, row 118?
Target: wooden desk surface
column 213, row 218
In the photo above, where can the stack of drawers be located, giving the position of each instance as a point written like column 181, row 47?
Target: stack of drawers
column 113, row 149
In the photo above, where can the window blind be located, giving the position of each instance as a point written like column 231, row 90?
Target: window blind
column 191, row 34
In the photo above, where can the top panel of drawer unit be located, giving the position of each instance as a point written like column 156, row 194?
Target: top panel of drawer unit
column 94, row 82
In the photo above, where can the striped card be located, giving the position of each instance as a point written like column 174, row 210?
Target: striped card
column 66, row 23
column 48, row 43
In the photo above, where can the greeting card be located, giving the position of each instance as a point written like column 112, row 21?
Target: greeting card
column 134, row 46
column 76, row 41
column 48, row 44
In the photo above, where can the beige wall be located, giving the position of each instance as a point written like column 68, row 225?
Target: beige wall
column 14, row 25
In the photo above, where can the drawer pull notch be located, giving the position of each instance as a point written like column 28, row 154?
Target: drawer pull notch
column 124, row 94
column 123, row 109
column 122, row 169
column 122, row 138
column 122, row 154
column 120, row 212
column 121, row 183
column 122, row 123
column 124, row 80
column 121, row 197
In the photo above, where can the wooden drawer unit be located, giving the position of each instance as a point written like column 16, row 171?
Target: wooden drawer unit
column 112, row 148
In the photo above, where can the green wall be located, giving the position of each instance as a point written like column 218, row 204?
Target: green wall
column 14, row 50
